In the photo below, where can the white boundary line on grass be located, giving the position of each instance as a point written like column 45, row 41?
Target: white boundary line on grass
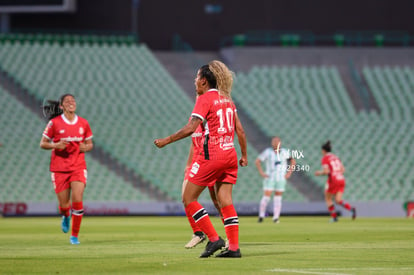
column 325, row 271
column 304, row 271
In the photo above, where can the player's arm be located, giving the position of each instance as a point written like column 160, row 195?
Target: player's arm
column 86, row 146
column 258, row 163
column 46, row 144
column 324, row 171
column 184, row 132
column 241, row 136
column 292, row 163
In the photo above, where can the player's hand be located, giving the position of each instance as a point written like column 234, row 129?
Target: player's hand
column 318, row 173
column 243, row 161
column 61, row 145
column 160, row 142
column 287, row 176
column 83, row 147
column 264, row 175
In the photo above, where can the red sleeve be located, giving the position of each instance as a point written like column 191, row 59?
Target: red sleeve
column 201, row 107
column 88, row 131
column 49, row 131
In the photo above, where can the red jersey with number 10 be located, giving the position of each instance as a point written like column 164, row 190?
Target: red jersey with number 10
column 217, row 113
column 60, row 128
column 334, row 164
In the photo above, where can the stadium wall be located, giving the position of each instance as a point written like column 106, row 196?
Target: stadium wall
column 365, row 209
column 157, row 26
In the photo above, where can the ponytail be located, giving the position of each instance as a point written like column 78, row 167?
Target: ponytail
column 52, row 109
column 218, row 77
column 327, row 146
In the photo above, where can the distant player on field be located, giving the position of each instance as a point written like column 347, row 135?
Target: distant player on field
column 335, row 184
column 276, row 160
column 69, row 137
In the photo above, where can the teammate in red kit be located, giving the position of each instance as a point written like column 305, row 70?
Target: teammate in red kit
column 335, row 184
column 216, row 165
column 69, row 137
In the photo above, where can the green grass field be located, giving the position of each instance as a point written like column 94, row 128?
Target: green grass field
column 155, row 245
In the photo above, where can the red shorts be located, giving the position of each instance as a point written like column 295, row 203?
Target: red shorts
column 335, row 187
column 207, row 172
column 61, row 181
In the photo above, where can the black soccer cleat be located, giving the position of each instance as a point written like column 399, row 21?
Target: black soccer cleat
column 260, row 220
column 212, row 247
column 353, row 210
column 229, row 254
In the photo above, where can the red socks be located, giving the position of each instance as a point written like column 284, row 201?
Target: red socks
column 345, row 205
column 193, row 224
column 231, row 223
column 332, row 211
column 64, row 211
column 77, row 214
column 231, row 226
column 201, row 218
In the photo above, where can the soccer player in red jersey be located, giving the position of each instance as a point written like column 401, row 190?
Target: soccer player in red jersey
column 335, row 184
column 196, row 146
column 216, row 165
column 68, row 136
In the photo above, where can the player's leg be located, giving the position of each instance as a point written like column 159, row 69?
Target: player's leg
column 231, row 220
column 277, row 206
column 64, row 209
column 347, row 206
column 200, row 216
column 62, row 190
column 77, row 209
column 198, row 235
column 277, row 199
column 331, row 206
column 213, row 195
column 267, row 192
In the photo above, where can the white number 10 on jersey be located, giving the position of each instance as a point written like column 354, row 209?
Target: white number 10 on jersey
column 225, row 120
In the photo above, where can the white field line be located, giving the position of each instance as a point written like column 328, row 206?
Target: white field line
column 305, row 271
column 331, row 271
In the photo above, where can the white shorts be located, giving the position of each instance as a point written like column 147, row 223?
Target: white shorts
column 274, row 185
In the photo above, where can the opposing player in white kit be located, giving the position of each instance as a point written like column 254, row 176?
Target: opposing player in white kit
column 277, row 160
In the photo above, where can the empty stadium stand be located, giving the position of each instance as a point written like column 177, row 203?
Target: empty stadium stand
column 309, row 105
column 130, row 99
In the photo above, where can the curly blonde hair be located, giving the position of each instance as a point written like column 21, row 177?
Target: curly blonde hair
column 224, row 77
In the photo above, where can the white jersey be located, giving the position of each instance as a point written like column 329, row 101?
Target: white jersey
column 276, row 164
